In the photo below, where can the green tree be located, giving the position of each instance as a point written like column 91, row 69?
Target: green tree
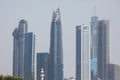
column 31, row 79
column 1, row 77
column 9, row 78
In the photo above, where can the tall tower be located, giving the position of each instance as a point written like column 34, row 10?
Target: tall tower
column 94, row 47
column 103, row 48
column 29, row 54
column 23, row 51
column 83, row 53
column 56, row 50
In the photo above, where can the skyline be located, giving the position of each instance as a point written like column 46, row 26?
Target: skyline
column 41, row 25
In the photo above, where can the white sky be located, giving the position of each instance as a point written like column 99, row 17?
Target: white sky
column 38, row 13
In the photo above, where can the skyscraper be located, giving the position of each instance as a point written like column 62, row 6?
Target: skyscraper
column 23, row 52
column 83, row 63
column 56, row 50
column 94, row 47
column 29, row 55
column 42, row 62
column 103, row 48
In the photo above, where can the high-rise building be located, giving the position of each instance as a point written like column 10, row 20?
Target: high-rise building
column 56, row 50
column 83, row 64
column 103, row 48
column 42, row 63
column 23, row 52
column 94, row 47
column 29, row 55
column 113, row 72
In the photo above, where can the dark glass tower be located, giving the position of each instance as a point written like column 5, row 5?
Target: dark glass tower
column 29, row 56
column 56, row 50
column 42, row 62
column 23, row 52
column 94, row 47
column 103, row 48
column 113, row 72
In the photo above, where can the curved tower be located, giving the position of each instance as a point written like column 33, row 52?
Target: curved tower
column 56, row 50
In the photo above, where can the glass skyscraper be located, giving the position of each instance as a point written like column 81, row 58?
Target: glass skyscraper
column 23, row 52
column 94, row 47
column 103, row 48
column 56, row 49
column 83, row 64
column 42, row 62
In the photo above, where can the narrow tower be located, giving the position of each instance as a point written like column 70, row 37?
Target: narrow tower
column 83, row 53
column 94, row 47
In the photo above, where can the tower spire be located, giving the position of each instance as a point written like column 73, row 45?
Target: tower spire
column 94, row 11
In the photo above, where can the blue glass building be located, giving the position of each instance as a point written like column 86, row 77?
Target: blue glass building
column 23, row 52
column 103, row 48
column 94, row 47
column 29, row 56
column 56, row 50
column 42, row 62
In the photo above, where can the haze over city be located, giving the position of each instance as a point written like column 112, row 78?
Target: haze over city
column 39, row 14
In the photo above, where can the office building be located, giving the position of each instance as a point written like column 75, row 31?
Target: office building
column 23, row 52
column 83, row 64
column 94, row 47
column 56, row 49
column 42, row 63
column 103, row 48
column 29, row 55
column 113, row 72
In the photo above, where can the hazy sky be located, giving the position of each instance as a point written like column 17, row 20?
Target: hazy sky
column 38, row 13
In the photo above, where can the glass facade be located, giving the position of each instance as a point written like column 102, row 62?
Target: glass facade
column 23, row 51
column 56, row 50
column 83, row 53
column 29, row 56
column 42, row 62
column 113, row 72
column 103, row 48
column 94, row 47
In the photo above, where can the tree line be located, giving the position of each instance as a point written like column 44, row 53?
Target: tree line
column 11, row 78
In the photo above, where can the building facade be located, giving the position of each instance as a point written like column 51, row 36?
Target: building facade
column 42, row 62
column 56, row 49
column 83, row 64
column 103, row 48
column 113, row 72
column 94, row 47
column 29, row 56
column 23, row 52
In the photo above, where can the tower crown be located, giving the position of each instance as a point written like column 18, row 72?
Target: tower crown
column 56, row 15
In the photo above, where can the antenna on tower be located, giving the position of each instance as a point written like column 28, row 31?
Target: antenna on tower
column 94, row 11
